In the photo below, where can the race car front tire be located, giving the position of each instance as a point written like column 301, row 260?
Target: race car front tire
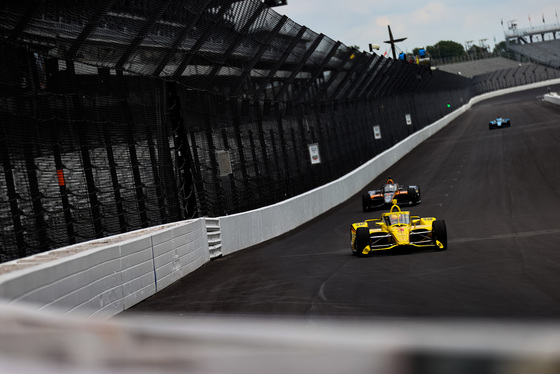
column 361, row 241
column 439, row 232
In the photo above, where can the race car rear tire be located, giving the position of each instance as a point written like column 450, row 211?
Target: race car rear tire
column 439, row 232
column 361, row 241
column 414, row 197
column 365, row 202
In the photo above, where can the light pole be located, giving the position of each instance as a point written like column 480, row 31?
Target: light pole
column 468, row 45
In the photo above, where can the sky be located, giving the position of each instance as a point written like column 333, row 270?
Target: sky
column 423, row 23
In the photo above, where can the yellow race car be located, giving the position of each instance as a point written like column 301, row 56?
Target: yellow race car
column 397, row 228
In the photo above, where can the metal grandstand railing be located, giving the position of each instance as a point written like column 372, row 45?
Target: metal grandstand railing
column 118, row 115
column 513, row 32
column 538, row 44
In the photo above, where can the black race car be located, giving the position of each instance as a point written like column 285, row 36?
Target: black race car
column 383, row 197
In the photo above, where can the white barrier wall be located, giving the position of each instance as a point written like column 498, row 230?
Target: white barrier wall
column 104, row 277
column 552, row 97
column 506, row 91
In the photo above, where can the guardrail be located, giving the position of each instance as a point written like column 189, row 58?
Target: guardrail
column 104, row 277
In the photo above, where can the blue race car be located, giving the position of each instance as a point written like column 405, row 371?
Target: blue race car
column 499, row 122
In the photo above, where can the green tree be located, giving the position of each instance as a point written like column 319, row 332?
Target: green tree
column 476, row 52
column 500, row 48
column 446, row 49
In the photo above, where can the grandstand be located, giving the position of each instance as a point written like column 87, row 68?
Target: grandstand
column 538, row 44
column 546, row 52
column 533, row 54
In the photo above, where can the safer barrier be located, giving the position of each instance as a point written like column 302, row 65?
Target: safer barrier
column 104, row 277
column 552, row 97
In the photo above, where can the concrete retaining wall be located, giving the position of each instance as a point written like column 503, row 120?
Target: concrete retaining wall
column 552, row 97
column 104, row 277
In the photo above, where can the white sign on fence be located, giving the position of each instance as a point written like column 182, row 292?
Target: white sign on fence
column 224, row 162
column 314, row 153
column 377, row 132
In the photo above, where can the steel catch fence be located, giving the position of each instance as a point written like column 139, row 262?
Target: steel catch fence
column 117, row 115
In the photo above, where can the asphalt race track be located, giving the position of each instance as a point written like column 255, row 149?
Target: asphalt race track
column 499, row 193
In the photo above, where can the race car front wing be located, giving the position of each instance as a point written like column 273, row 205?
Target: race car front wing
column 418, row 238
